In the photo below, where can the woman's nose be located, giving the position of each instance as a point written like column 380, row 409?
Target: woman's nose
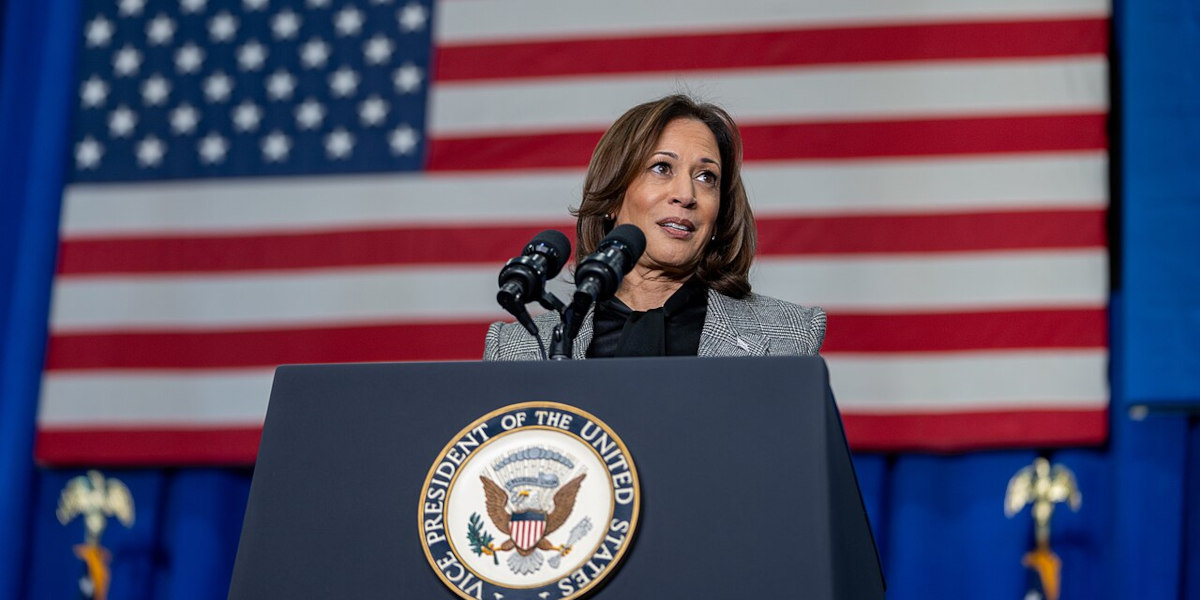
column 683, row 192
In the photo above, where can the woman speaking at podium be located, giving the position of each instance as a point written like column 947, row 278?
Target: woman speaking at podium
column 672, row 167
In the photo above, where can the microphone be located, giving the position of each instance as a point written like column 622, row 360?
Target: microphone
column 523, row 279
column 599, row 275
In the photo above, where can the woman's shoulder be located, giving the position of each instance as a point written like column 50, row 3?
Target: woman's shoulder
column 769, row 308
column 775, row 318
column 510, row 341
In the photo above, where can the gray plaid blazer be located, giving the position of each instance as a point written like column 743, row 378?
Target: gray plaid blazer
column 753, row 326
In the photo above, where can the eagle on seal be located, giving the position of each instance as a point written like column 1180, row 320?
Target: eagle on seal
column 530, row 519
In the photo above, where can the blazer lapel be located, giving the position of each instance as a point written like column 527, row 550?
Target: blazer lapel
column 730, row 329
column 584, row 338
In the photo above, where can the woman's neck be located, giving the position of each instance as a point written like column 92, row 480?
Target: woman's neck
column 647, row 289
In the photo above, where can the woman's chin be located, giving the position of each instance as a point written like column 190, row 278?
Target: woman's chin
column 669, row 268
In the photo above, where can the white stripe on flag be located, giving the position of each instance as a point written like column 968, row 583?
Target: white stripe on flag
column 966, row 281
column 906, row 90
column 970, row 381
column 226, row 397
column 983, row 280
column 461, row 21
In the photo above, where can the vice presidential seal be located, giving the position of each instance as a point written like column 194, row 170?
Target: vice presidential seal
column 532, row 501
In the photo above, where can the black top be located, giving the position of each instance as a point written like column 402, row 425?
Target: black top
column 671, row 330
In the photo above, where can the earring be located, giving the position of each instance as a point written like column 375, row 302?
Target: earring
column 714, row 238
column 608, row 217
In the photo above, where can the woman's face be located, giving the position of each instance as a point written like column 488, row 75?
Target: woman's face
column 675, row 198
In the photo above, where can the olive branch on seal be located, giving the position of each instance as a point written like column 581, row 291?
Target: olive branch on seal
column 480, row 539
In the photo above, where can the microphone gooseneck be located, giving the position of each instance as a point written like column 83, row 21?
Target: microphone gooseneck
column 598, row 276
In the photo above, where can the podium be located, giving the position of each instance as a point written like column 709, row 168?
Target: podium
column 746, row 484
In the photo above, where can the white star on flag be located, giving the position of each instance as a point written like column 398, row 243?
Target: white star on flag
column 212, row 148
column 407, row 78
column 222, row 27
column 88, row 153
column 280, row 85
column 246, row 116
column 412, row 17
column 127, row 61
column 373, row 110
column 339, row 143
column 189, row 58
column 378, row 49
column 217, row 87
column 184, row 119
column 251, row 56
column 155, row 90
column 121, row 121
column 275, row 147
column 348, row 21
column 94, row 92
column 285, row 24
column 309, row 114
column 314, row 53
column 160, row 30
column 150, row 151
column 403, row 140
column 343, row 82
column 99, row 32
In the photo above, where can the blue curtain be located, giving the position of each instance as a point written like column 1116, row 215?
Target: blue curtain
column 38, row 42
column 938, row 519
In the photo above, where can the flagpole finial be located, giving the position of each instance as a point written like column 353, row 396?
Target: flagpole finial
column 1042, row 485
column 95, row 498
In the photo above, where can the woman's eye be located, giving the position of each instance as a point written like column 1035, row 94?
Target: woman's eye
column 661, row 168
column 708, row 177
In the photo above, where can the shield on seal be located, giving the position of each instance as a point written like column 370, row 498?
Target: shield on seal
column 526, row 528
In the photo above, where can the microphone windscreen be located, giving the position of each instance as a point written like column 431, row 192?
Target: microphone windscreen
column 631, row 237
column 555, row 246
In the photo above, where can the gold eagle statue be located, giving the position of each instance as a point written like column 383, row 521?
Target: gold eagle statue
column 97, row 499
column 1043, row 486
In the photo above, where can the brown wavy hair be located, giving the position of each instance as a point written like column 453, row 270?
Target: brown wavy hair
column 619, row 158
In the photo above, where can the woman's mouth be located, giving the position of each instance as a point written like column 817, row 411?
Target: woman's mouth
column 677, row 228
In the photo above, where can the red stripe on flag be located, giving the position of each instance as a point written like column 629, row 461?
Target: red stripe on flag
column 1049, row 328
column 942, row 332
column 962, row 431
column 977, row 135
column 751, row 49
column 256, row 348
column 291, row 250
column 1077, row 228
column 801, row 141
column 1082, row 228
column 154, row 446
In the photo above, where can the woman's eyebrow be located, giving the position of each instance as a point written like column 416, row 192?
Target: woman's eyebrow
column 676, row 157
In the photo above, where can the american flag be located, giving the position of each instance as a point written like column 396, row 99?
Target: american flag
column 259, row 182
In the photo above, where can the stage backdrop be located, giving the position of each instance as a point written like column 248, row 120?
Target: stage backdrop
column 255, row 183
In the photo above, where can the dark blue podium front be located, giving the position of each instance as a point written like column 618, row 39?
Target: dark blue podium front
column 747, row 488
